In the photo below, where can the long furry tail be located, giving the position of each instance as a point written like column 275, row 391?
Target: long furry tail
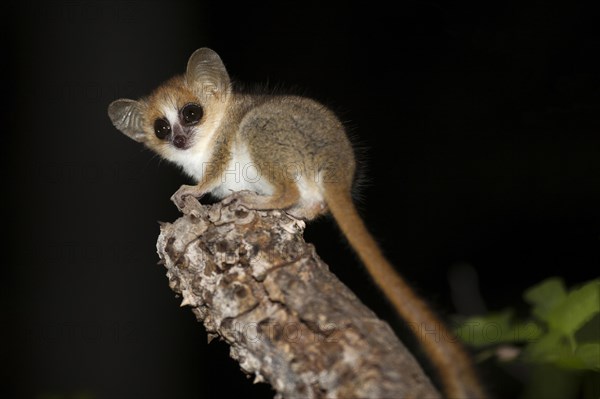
column 454, row 366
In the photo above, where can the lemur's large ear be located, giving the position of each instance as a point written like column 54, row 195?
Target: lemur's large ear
column 206, row 72
column 126, row 115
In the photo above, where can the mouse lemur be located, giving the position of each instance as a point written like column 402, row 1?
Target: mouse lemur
column 199, row 122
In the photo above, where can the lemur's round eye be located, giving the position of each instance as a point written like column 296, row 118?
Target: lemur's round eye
column 162, row 128
column 191, row 113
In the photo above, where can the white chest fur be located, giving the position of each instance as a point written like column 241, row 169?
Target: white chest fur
column 194, row 161
column 242, row 173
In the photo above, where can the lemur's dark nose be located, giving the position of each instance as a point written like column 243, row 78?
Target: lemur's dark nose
column 179, row 136
column 179, row 141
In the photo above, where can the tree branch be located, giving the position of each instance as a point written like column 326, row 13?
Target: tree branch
column 253, row 281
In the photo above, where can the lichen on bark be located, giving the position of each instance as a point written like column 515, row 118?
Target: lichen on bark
column 254, row 282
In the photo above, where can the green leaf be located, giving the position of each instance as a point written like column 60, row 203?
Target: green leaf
column 545, row 296
column 553, row 348
column 589, row 353
column 485, row 330
column 578, row 308
column 496, row 328
column 526, row 331
column 548, row 349
column 590, row 331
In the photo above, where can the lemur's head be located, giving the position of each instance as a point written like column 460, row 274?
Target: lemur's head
column 180, row 112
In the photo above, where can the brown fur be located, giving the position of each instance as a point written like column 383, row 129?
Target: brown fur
column 280, row 133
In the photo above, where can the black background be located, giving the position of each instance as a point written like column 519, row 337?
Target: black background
column 481, row 129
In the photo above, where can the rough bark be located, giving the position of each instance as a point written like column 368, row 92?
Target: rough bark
column 253, row 281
